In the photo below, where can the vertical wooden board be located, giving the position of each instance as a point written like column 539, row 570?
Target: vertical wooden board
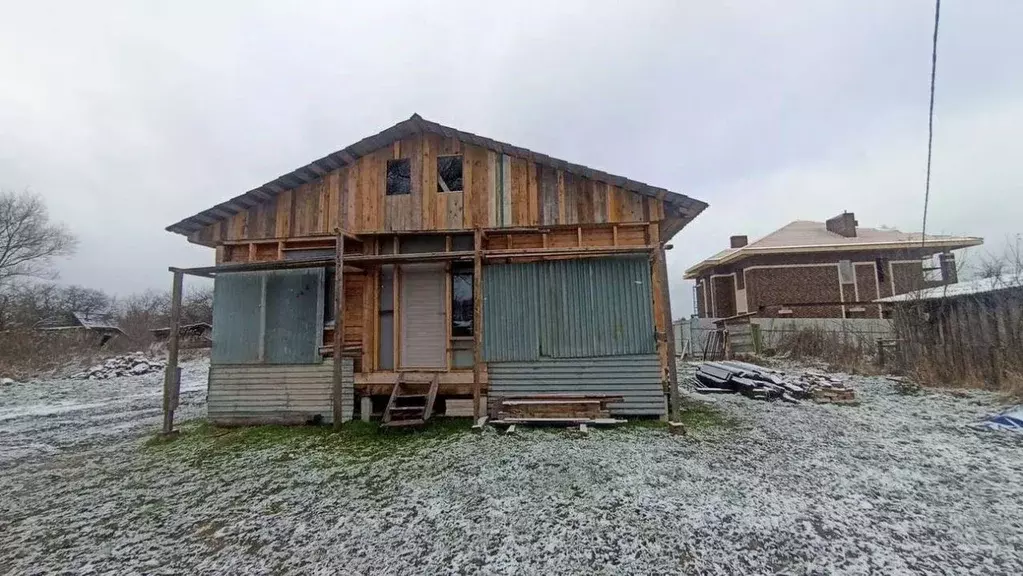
column 429, row 181
column 446, row 145
column 548, row 195
column 520, row 192
column 656, row 209
column 349, row 193
column 614, row 204
column 561, row 198
column 570, row 198
column 455, row 209
column 333, row 200
column 506, row 190
column 493, row 193
column 369, row 318
column 253, row 217
column 237, row 227
column 467, row 188
column 584, row 203
column 372, row 193
column 599, row 195
column 283, row 224
column 298, row 208
column 317, row 207
column 411, row 148
column 532, row 195
column 632, row 206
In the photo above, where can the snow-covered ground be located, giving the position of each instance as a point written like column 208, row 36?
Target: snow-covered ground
column 895, row 485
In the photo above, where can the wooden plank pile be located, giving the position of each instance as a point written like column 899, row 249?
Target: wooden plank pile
column 557, row 409
column 759, row 383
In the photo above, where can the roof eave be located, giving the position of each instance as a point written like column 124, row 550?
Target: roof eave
column 748, row 251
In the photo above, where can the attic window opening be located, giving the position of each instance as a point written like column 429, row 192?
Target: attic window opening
column 399, row 177
column 449, row 174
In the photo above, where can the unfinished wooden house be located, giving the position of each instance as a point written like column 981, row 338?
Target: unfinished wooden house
column 442, row 268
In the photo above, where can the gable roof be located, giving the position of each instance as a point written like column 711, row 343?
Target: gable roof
column 802, row 236
column 686, row 208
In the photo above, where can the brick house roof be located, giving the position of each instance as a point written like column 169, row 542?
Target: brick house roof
column 803, row 236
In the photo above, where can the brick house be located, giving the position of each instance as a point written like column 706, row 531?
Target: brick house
column 830, row 269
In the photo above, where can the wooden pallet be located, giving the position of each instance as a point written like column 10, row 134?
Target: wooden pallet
column 409, row 404
column 555, row 408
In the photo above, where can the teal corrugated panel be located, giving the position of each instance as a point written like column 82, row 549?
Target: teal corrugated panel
column 273, row 317
column 568, row 309
column 511, row 312
column 237, row 298
column 294, row 316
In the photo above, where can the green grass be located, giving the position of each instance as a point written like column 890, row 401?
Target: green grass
column 699, row 415
column 200, row 443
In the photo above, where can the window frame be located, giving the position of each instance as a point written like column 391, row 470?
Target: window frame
column 440, row 187
column 407, row 162
column 460, row 332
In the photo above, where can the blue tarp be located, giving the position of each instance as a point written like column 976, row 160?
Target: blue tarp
column 1011, row 419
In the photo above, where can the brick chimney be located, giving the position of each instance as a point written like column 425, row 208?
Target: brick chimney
column 844, row 224
column 738, row 241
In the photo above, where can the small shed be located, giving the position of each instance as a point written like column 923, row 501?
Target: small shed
column 99, row 327
column 196, row 335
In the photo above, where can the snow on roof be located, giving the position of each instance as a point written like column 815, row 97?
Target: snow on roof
column 93, row 320
column 968, row 288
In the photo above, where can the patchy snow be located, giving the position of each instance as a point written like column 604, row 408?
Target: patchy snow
column 898, row 484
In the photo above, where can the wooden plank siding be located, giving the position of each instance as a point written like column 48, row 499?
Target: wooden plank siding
column 499, row 190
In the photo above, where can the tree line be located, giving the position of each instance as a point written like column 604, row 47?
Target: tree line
column 30, row 298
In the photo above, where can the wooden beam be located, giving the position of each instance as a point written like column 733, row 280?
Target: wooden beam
column 661, row 283
column 339, row 330
column 477, row 321
column 171, row 380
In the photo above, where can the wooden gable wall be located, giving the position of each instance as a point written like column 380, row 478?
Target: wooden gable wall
column 498, row 191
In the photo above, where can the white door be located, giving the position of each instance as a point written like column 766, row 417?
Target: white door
column 423, row 317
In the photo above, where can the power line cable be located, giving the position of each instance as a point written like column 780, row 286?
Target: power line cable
column 930, row 121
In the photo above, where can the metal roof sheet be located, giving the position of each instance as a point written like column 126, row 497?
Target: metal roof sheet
column 960, row 289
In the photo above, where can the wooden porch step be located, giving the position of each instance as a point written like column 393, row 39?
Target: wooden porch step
column 396, row 414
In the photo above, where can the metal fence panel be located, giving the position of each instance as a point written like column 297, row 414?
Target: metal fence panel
column 636, row 378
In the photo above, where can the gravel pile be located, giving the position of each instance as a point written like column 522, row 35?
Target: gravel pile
column 134, row 364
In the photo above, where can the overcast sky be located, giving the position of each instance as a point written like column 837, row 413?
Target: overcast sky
column 128, row 116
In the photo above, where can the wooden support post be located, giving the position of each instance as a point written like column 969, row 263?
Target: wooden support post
column 661, row 272
column 339, row 329
column 171, row 379
column 477, row 321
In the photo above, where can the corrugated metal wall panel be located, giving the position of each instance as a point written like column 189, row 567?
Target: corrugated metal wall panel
column 271, row 393
column 511, row 312
column 237, row 298
column 294, row 316
column 568, row 309
column 423, row 317
column 273, row 317
column 637, row 378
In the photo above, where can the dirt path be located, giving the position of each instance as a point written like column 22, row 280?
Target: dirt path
column 895, row 485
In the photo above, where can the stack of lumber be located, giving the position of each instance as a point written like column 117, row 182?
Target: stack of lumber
column 761, row 383
column 560, row 409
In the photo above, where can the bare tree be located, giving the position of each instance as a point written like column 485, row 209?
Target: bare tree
column 28, row 239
